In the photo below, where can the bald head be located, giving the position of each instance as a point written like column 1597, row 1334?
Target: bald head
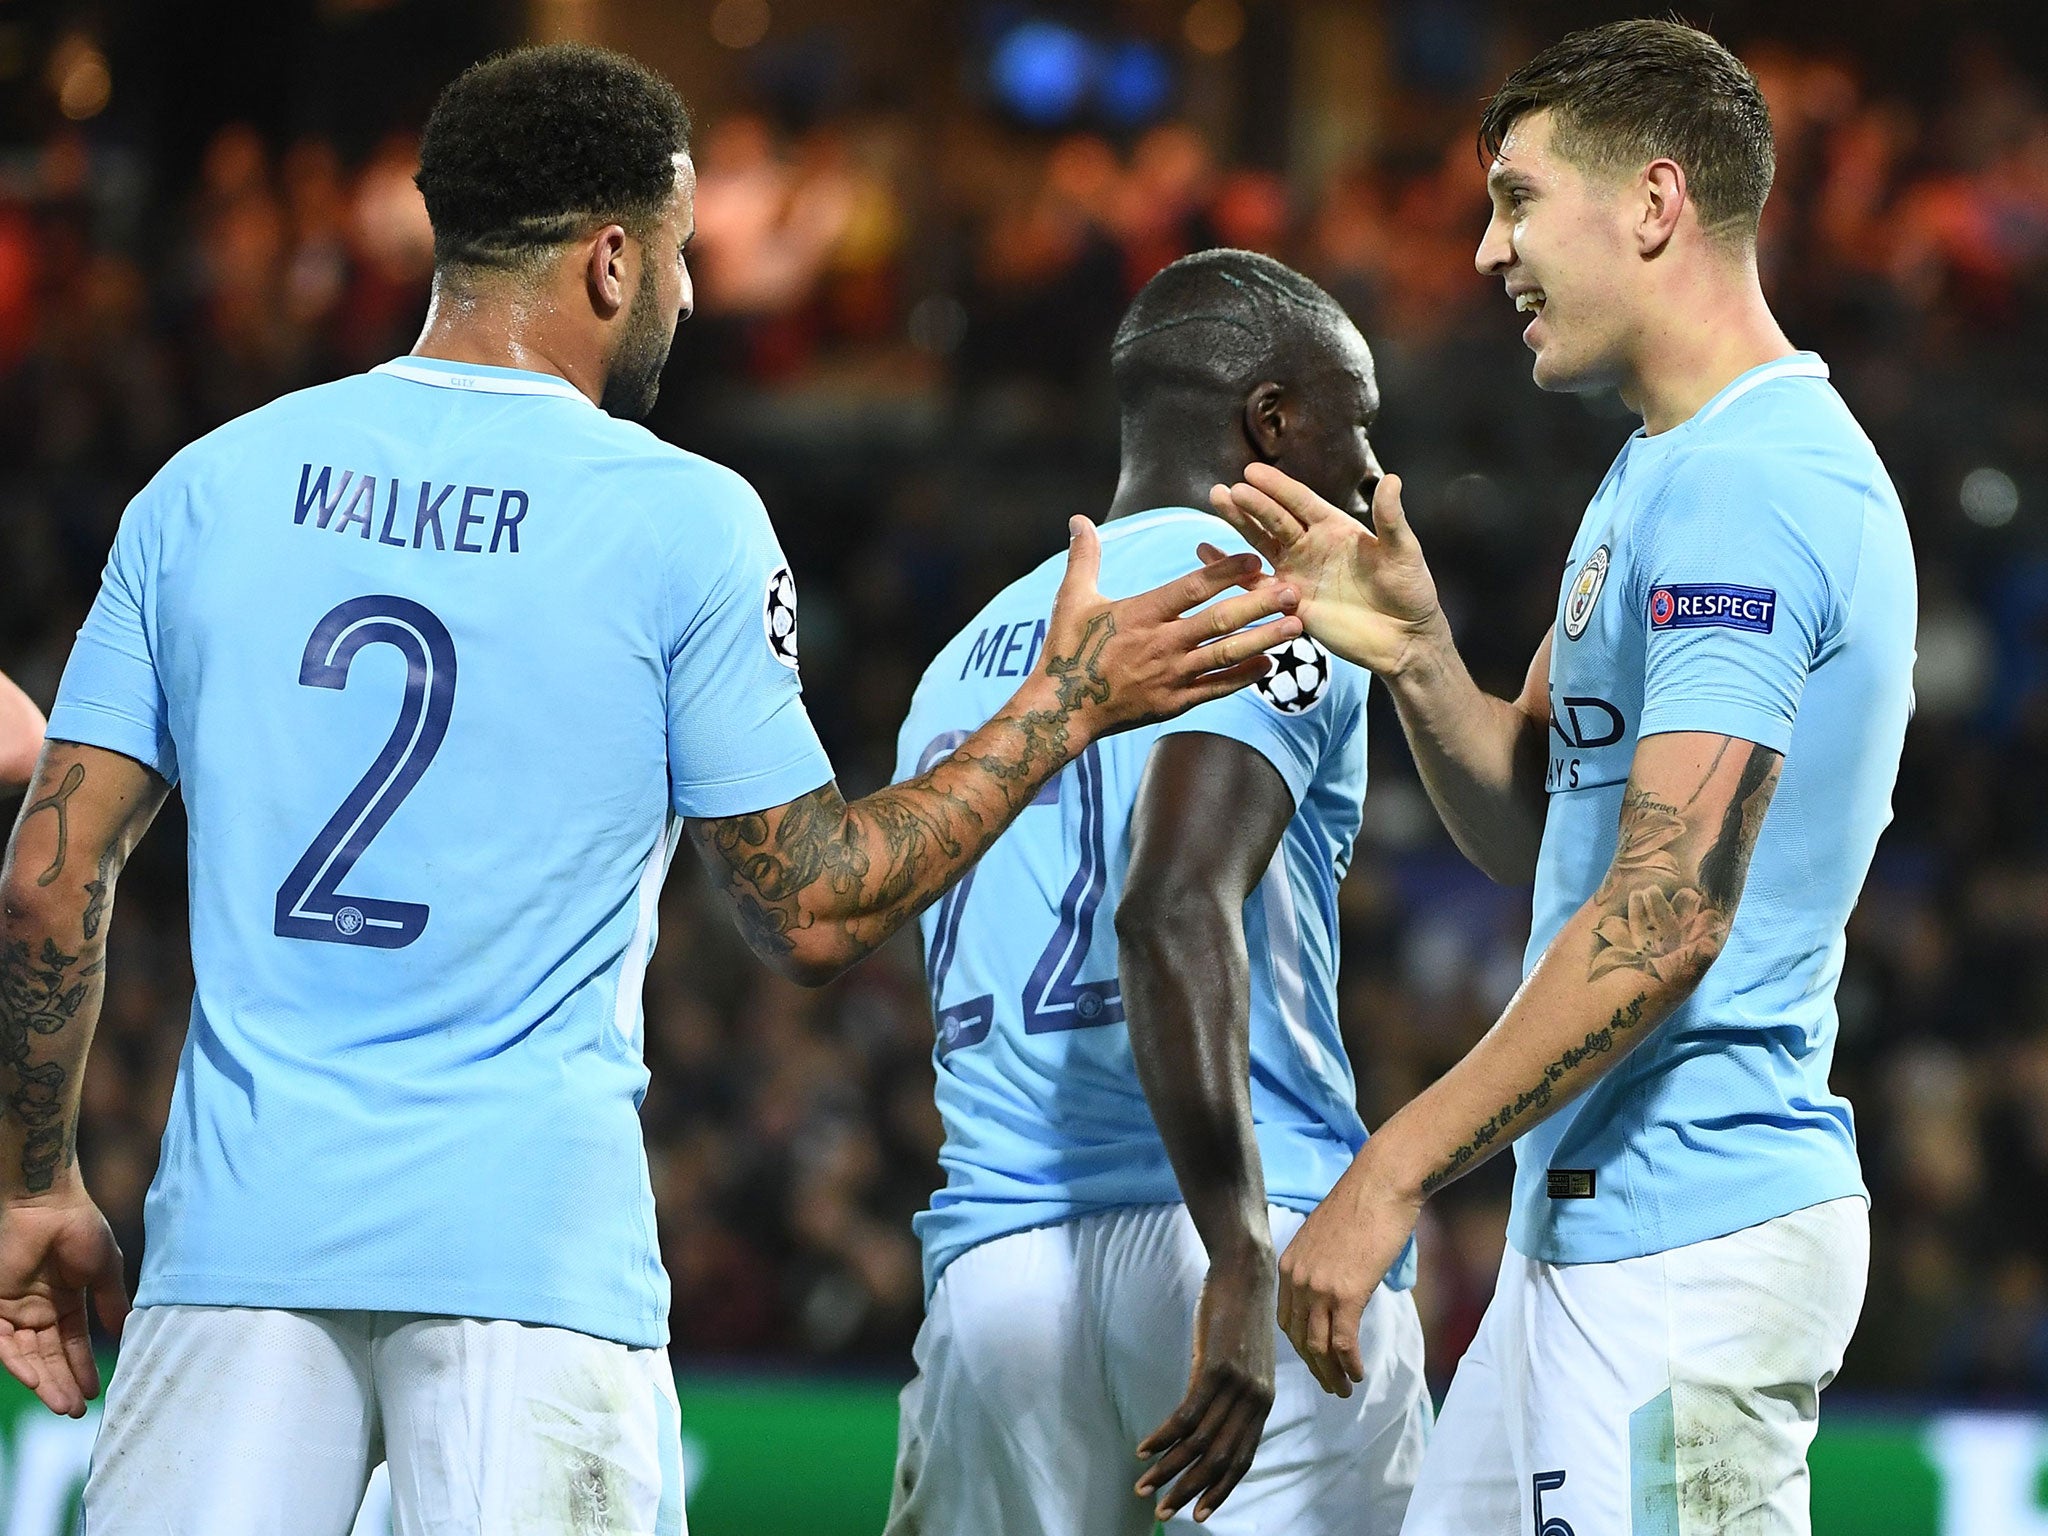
column 1228, row 356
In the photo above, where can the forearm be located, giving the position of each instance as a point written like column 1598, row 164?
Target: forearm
column 1480, row 758
column 1186, row 994
column 1559, row 1036
column 1631, row 954
column 825, row 883
column 51, row 976
column 84, row 813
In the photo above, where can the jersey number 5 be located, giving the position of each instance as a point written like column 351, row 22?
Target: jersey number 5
column 310, row 903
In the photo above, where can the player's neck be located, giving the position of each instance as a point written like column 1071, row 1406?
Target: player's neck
column 1701, row 342
column 504, row 328
column 1170, row 470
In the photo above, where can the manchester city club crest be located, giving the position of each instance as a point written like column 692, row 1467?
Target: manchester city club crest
column 1585, row 592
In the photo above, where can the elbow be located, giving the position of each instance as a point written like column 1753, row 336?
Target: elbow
column 26, row 909
column 1503, row 860
column 1159, row 920
column 1516, row 868
column 805, row 959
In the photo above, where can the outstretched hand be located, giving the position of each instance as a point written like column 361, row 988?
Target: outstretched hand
column 1365, row 592
column 1208, row 1441
column 1114, row 665
column 52, row 1252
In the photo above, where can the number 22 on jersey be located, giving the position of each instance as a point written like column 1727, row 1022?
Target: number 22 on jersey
column 1056, row 997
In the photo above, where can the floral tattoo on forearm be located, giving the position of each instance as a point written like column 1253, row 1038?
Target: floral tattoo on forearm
column 1666, row 906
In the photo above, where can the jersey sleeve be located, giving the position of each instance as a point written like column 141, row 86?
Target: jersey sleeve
column 1737, row 598
column 739, row 737
column 1290, row 719
column 112, row 695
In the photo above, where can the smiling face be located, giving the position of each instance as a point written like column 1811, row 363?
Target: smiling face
column 1560, row 241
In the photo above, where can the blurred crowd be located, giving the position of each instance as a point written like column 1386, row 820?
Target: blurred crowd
column 902, row 337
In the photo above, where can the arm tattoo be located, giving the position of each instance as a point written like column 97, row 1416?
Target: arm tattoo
column 50, row 986
column 1079, row 676
column 1663, row 911
column 39, row 995
column 58, row 800
column 1504, row 1121
column 1666, row 905
column 863, row 870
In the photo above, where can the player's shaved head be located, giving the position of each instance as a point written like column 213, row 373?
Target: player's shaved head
column 1228, row 356
column 534, row 148
column 1215, row 324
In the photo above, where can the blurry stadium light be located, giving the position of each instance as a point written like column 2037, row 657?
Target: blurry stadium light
column 1042, row 70
column 1136, row 84
column 1214, row 26
column 739, row 24
column 79, row 76
column 1990, row 498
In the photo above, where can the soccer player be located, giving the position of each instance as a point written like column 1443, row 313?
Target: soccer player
column 1695, row 774
column 445, row 658
column 1139, row 1065
column 21, row 736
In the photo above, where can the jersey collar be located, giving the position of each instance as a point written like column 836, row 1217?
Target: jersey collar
column 479, row 378
column 1800, row 365
column 1137, row 522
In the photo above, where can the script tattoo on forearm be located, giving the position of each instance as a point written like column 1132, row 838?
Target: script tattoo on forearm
column 869, row 867
column 59, row 801
column 1502, row 1121
column 1663, row 910
column 40, row 994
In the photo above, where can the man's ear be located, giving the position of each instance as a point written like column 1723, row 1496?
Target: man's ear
column 1663, row 198
column 604, row 273
column 1268, row 416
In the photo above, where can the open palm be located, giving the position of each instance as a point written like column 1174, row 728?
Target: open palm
column 1365, row 592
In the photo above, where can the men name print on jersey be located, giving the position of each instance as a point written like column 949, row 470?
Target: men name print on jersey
column 1300, row 676
column 1713, row 605
column 1578, row 605
column 778, row 617
column 358, row 502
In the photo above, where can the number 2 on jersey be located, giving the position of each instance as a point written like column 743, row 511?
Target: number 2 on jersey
column 310, row 903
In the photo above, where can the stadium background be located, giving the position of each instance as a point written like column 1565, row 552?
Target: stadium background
column 919, row 220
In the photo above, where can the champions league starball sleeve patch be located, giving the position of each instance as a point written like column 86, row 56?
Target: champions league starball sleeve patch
column 778, row 617
column 1713, row 606
column 1300, row 676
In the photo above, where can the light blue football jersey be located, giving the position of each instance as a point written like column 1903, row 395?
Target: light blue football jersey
column 438, row 654
column 1746, row 573
column 1044, row 1116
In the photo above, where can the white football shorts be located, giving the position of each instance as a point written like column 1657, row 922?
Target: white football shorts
column 241, row 1421
column 1047, row 1355
column 1670, row 1395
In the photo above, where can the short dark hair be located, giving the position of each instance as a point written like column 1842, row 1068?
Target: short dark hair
column 1219, row 320
column 534, row 147
column 1635, row 91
